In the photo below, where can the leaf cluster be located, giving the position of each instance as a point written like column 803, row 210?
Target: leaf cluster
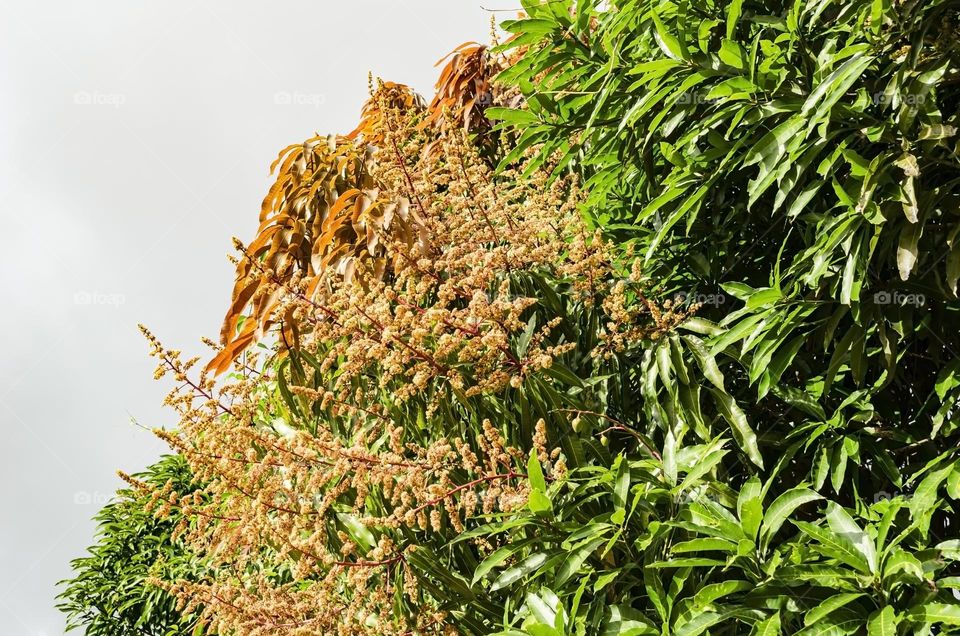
column 109, row 593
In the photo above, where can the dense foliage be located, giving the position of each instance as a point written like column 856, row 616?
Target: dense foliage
column 684, row 365
column 108, row 594
column 793, row 167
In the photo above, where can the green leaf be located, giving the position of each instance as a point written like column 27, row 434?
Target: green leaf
column 622, row 620
column 538, row 26
column 535, row 472
column 733, row 16
column 512, row 575
column 454, row 585
column 745, row 437
column 937, row 613
column 882, row 622
column 835, row 86
column 800, row 400
column 571, row 565
column 670, row 457
column 823, row 575
column 699, row 469
column 669, row 44
column 700, row 623
column 496, row 558
column 953, row 483
column 763, row 297
column 560, row 372
column 709, row 593
column 901, row 561
column 705, row 544
column 621, row 470
column 705, row 360
column 781, row 508
column 768, row 627
column 829, row 607
column 732, row 54
column 750, row 507
column 514, row 116
column 907, row 249
column 685, row 563
column 702, row 326
column 773, row 146
column 925, row 495
column 539, row 503
column 843, row 525
column 937, row 131
column 835, row 546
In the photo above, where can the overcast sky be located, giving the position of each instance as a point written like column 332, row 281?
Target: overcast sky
column 135, row 140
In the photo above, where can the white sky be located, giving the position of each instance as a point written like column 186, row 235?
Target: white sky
column 135, row 140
